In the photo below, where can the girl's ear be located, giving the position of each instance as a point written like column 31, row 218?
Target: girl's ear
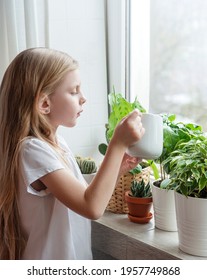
column 44, row 104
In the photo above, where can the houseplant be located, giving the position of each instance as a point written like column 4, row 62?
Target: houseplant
column 163, row 199
column 139, row 201
column 87, row 167
column 119, row 108
column 174, row 132
column 117, row 203
column 188, row 176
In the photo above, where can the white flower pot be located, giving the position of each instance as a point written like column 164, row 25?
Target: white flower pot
column 192, row 224
column 89, row 177
column 164, row 209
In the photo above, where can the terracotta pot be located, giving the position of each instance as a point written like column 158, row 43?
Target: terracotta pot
column 138, row 206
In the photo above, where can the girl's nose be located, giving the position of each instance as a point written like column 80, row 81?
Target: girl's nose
column 82, row 99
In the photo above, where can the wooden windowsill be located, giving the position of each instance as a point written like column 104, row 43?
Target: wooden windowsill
column 114, row 236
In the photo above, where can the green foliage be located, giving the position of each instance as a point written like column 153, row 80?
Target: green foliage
column 87, row 165
column 188, row 167
column 138, row 169
column 119, row 108
column 164, row 183
column 140, row 189
column 102, row 148
column 175, row 133
column 183, row 162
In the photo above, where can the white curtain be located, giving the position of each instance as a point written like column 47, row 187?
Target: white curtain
column 23, row 24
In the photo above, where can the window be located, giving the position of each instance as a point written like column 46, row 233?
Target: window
column 139, row 48
column 178, row 57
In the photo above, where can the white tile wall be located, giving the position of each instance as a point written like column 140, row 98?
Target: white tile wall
column 77, row 27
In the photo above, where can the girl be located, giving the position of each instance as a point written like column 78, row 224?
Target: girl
column 45, row 205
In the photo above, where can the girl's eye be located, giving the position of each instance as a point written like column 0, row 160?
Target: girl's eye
column 75, row 90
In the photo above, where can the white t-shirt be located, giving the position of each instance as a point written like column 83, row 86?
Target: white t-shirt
column 54, row 231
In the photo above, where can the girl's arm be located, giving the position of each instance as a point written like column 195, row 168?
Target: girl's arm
column 92, row 201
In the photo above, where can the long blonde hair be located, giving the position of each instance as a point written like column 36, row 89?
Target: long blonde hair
column 33, row 72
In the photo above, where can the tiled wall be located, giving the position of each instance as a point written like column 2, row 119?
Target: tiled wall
column 77, row 27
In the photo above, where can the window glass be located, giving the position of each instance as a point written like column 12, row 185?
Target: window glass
column 178, row 59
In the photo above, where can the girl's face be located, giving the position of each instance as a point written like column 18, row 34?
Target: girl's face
column 67, row 101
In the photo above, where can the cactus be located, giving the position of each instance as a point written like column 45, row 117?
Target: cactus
column 140, row 189
column 87, row 165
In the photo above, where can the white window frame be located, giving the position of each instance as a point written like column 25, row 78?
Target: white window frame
column 116, row 45
column 128, row 45
column 140, row 51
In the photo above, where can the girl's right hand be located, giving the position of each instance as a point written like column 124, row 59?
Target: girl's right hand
column 129, row 130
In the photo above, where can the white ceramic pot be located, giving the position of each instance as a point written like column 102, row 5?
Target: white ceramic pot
column 89, row 177
column 164, row 209
column 192, row 224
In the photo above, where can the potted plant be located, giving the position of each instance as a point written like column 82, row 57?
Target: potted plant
column 188, row 176
column 163, row 197
column 119, row 108
column 87, row 167
column 139, row 201
column 175, row 132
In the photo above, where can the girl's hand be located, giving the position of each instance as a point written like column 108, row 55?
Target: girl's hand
column 128, row 163
column 129, row 130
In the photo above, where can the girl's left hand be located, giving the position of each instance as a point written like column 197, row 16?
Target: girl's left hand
column 128, row 163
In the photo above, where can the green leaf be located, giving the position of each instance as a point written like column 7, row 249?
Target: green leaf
column 155, row 169
column 140, row 189
column 202, row 183
column 136, row 170
column 102, row 148
column 119, row 108
column 165, row 183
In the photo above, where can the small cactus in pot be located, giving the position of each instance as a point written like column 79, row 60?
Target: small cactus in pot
column 139, row 201
column 140, row 189
column 87, row 165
